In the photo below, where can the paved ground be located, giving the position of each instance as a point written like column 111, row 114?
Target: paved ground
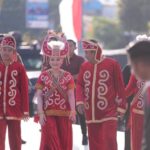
column 31, row 134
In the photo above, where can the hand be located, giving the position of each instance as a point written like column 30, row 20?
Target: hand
column 25, row 117
column 80, row 108
column 121, row 115
column 72, row 116
column 42, row 119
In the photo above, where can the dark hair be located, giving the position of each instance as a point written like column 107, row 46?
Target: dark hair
column 139, row 51
column 94, row 41
column 54, row 39
column 1, row 37
column 69, row 40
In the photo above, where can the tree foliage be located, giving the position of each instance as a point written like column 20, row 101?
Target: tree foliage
column 134, row 15
column 108, row 32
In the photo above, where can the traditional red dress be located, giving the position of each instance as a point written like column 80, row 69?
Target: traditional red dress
column 98, row 86
column 136, row 112
column 57, row 131
column 14, row 102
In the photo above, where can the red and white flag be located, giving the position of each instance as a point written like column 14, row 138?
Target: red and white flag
column 71, row 18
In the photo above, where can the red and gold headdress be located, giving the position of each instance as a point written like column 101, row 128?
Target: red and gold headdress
column 55, row 44
column 8, row 41
column 89, row 45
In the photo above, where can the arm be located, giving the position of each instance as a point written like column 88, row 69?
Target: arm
column 71, row 99
column 80, row 92
column 131, row 86
column 24, row 93
column 119, row 86
column 39, row 99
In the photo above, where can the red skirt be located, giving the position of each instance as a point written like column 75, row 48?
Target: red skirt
column 56, row 134
column 103, row 136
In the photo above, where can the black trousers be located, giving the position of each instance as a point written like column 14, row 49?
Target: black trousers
column 81, row 121
column 127, row 139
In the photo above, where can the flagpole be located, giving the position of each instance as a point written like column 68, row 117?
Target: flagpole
column 80, row 52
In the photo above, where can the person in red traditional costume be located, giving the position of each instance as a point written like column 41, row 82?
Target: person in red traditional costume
column 18, row 58
column 55, row 96
column 100, row 92
column 14, row 104
column 139, row 58
column 136, row 119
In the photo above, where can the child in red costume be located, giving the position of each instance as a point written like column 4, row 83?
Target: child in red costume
column 14, row 104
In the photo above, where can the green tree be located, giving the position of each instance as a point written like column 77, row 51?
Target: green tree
column 108, row 32
column 134, row 14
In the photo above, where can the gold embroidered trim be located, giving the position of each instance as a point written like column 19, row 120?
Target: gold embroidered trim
column 101, row 120
column 26, row 113
column 121, row 110
column 79, row 102
column 57, row 113
column 93, row 91
column 13, row 118
column 141, row 112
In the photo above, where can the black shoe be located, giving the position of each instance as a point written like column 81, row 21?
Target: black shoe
column 84, row 140
column 23, row 142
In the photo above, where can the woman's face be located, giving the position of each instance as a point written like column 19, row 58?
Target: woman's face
column 7, row 53
column 56, row 62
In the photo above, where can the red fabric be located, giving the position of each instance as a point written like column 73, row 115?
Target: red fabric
column 77, row 18
column 98, row 86
column 136, row 131
column 14, row 139
column 103, row 136
column 135, row 122
column 131, row 88
column 8, row 41
column 13, row 91
column 135, row 87
column 56, row 134
column 55, row 101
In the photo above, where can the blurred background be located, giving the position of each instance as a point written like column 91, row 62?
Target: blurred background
column 113, row 22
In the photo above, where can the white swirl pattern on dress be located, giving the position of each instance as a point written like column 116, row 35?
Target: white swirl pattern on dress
column 102, row 90
column 58, row 101
column 140, row 103
column 12, row 92
column 45, row 79
column 86, row 77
